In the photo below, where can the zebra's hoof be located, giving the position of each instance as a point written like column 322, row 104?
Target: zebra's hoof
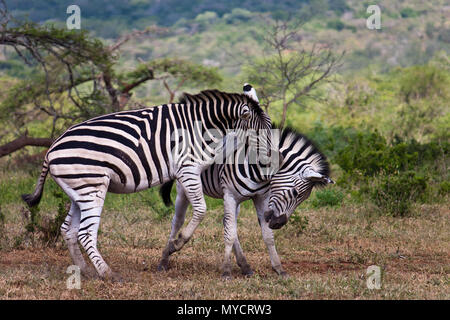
column 89, row 273
column 226, row 276
column 247, row 272
column 162, row 266
column 113, row 277
column 284, row 275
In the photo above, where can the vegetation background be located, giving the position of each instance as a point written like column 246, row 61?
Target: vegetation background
column 381, row 117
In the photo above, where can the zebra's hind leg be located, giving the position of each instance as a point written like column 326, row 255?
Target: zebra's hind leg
column 87, row 235
column 69, row 231
column 181, row 204
column 239, row 253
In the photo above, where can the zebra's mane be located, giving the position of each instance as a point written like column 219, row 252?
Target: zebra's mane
column 217, row 95
column 291, row 138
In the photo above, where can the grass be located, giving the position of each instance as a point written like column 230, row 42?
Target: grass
column 328, row 260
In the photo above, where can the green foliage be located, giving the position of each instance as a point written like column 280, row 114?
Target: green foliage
column 393, row 174
column 14, row 68
column 47, row 228
column 364, row 152
column 237, row 15
column 130, row 14
column 152, row 200
column 444, row 188
column 395, row 194
column 425, row 81
column 408, row 13
column 338, row 25
column 190, row 73
column 369, row 154
column 329, row 197
column 444, row 35
column 298, row 222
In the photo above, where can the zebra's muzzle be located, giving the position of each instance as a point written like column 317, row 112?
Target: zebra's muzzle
column 275, row 222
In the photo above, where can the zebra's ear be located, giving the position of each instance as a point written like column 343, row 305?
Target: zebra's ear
column 310, row 174
column 245, row 113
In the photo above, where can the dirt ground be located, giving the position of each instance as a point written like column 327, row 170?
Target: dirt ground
column 328, row 260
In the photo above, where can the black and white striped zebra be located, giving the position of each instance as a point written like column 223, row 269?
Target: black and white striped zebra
column 130, row 151
column 302, row 166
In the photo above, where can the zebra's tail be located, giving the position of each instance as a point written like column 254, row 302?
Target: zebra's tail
column 164, row 192
column 34, row 198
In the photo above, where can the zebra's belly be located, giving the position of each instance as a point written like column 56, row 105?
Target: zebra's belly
column 116, row 186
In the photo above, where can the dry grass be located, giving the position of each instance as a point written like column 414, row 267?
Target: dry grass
column 328, row 261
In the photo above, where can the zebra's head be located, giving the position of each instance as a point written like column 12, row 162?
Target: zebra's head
column 302, row 167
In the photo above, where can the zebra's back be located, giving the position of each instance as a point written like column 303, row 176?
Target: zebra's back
column 128, row 148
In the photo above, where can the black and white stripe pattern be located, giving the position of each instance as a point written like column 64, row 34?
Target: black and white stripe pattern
column 133, row 150
column 302, row 166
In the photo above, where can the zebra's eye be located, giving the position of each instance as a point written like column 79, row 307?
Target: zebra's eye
column 295, row 193
column 245, row 112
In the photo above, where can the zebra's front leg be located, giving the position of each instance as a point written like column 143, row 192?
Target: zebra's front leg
column 239, row 253
column 181, row 204
column 267, row 234
column 191, row 183
column 230, row 232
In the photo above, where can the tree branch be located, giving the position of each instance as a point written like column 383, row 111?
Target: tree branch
column 24, row 141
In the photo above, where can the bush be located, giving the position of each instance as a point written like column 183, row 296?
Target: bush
column 237, row 15
column 424, row 81
column 395, row 194
column 370, row 154
column 298, row 223
column 336, row 25
column 408, row 13
column 444, row 188
column 47, row 228
column 327, row 198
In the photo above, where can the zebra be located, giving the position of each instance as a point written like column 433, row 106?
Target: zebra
column 275, row 196
column 130, row 151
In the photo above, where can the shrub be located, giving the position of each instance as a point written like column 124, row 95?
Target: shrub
column 364, row 152
column 47, row 228
column 237, row 15
column 394, row 194
column 298, row 222
column 444, row 188
column 336, row 24
column 370, row 154
column 327, row 198
column 408, row 13
column 418, row 82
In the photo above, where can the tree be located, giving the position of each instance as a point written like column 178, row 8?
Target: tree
column 289, row 72
column 74, row 77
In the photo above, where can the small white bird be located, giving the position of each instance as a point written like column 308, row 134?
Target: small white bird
column 250, row 91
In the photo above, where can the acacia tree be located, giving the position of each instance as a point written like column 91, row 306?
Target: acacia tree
column 288, row 71
column 74, row 77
